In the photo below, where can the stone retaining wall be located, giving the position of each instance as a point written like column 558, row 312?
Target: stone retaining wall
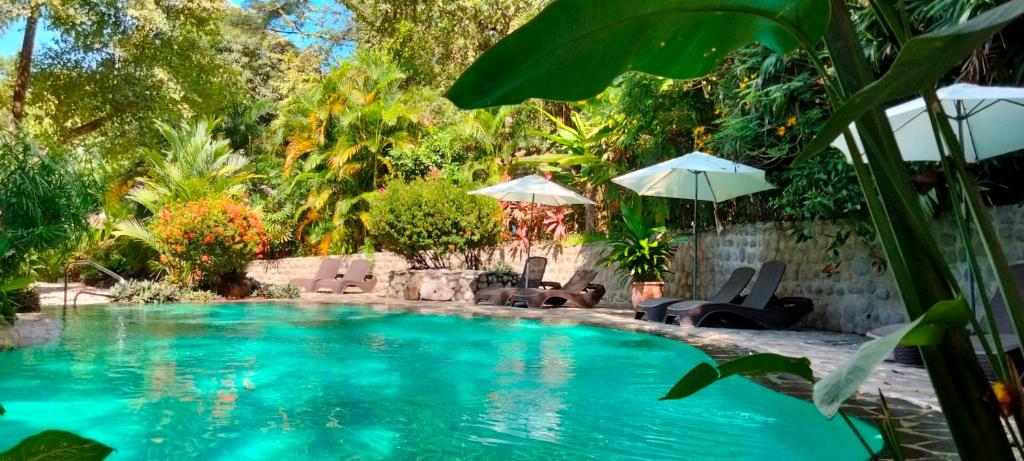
column 854, row 299
column 279, row 271
column 29, row 330
column 433, row 285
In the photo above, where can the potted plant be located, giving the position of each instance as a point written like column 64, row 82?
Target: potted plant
column 640, row 251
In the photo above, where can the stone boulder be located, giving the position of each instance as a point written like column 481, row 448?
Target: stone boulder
column 436, row 290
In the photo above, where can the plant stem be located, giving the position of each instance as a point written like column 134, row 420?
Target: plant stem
column 956, row 375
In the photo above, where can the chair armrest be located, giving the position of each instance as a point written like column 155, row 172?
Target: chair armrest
column 550, row 285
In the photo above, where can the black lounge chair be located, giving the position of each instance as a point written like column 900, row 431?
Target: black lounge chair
column 1004, row 327
column 654, row 310
column 357, row 276
column 533, row 275
column 577, row 292
column 756, row 310
column 328, row 270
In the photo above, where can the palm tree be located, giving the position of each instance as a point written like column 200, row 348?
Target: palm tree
column 583, row 149
column 340, row 132
column 194, row 164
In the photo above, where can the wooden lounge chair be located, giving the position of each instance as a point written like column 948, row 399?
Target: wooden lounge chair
column 328, row 270
column 577, row 292
column 357, row 276
column 756, row 310
column 654, row 310
column 533, row 275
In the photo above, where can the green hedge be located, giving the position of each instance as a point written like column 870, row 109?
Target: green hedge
column 436, row 224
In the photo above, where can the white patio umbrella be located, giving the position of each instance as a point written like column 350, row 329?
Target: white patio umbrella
column 696, row 176
column 987, row 119
column 533, row 189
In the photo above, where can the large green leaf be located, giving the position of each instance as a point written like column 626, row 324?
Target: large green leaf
column 924, row 60
column 704, row 374
column 834, row 389
column 55, row 445
column 15, row 284
column 573, row 49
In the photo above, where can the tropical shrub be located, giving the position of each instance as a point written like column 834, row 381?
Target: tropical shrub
column 27, row 300
column 339, row 137
column 145, row 292
column 282, row 291
column 198, row 296
column 208, row 239
column 192, row 165
column 639, row 249
column 435, row 223
column 44, row 201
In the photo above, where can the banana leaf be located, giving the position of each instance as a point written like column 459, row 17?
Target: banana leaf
column 573, row 49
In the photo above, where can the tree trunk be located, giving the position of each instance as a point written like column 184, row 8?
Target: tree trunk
column 921, row 273
column 24, row 69
column 85, row 128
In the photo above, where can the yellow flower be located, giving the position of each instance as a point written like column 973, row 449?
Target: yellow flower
column 791, row 121
column 1006, row 397
column 781, row 131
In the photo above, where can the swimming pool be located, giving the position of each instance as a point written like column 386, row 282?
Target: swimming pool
column 282, row 382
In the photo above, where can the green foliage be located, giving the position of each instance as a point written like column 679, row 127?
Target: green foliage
column 103, row 81
column 146, row 292
column 44, row 201
column 54, row 445
column 208, row 239
column 339, row 136
column 545, row 59
column 197, row 296
column 436, row 224
column 926, row 330
column 704, row 374
column 638, row 249
column 192, row 165
column 924, row 60
column 9, row 290
column 282, row 291
column 435, row 39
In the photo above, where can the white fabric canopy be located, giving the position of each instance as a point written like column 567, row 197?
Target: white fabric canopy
column 696, row 176
column 988, row 120
column 533, row 189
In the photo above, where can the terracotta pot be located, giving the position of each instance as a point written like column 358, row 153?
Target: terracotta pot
column 639, row 291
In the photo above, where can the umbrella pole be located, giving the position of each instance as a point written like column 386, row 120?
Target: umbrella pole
column 693, row 280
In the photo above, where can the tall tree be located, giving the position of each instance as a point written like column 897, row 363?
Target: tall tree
column 435, row 39
column 340, row 134
column 24, row 67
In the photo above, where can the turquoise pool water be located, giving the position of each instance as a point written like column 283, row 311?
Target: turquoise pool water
column 238, row 382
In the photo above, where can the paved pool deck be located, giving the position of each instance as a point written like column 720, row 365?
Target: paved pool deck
column 908, row 389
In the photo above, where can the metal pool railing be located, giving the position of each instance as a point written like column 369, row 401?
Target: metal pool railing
column 97, row 266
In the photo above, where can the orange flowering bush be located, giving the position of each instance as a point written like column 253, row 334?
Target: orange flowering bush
column 208, row 238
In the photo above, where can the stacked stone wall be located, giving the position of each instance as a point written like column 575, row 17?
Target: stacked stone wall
column 854, row 298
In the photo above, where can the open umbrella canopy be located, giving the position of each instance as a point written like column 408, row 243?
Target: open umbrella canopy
column 982, row 116
column 696, row 176
column 533, row 189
